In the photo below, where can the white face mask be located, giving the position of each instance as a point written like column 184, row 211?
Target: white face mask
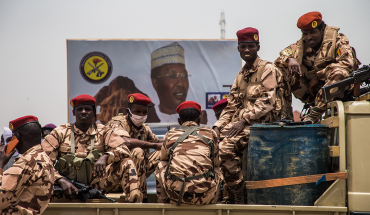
column 138, row 120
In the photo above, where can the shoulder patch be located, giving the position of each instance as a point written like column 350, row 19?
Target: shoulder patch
column 339, row 52
column 287, row 52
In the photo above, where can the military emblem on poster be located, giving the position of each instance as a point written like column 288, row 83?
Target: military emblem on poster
column 96, row 67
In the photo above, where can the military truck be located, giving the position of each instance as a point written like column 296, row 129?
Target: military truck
column 347, row 122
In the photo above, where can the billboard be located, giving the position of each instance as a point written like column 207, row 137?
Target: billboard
column 167, row 71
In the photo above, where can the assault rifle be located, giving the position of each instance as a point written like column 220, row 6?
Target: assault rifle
column 89, row 192
column 358, row 78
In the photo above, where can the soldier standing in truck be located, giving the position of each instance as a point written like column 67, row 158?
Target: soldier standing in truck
column 257, row 96
column 321, row 57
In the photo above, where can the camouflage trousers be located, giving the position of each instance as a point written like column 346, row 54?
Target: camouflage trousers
column 168, row 190
column 300, row 85
column 121, row 173
column 145, row 166
column 231, row 154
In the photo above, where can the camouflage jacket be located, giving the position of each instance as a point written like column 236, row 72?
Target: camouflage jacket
column 259, row 102
column 58, row 143
column 26, row 187
column 191, row 157
column 324, row 61
column 125, row 128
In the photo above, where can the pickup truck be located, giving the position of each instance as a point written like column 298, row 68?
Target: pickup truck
column 350, row 126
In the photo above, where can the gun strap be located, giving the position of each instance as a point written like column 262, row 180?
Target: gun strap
column 92, row 140
column 189, row 131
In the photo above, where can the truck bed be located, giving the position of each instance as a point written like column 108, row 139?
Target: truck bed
column 170, row 209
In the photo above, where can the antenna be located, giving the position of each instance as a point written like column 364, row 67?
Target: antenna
column 222, row 23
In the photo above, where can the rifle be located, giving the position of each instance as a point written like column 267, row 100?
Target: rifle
column 89, row 192
column 358, row 78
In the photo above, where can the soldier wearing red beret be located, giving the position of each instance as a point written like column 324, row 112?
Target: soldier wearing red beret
column 25, row 187
column 91, row 153
column 138, row 137
column 189, row 170
column 321, row 57
column 219, row 107
column 257, row 96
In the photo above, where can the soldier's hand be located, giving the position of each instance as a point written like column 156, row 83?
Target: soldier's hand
column 4, row 158
column 100, row 164
column 312, row 83
column 294, row 66
column 159, row 146
column 68, row 188
column 217, row 132
column 236, row 129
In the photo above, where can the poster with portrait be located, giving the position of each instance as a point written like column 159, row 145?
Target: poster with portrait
column 169, row 72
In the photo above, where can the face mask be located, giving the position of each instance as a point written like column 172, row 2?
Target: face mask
column 137, row 120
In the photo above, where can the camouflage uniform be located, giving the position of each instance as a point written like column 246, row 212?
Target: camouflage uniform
column 26, row 187
column 260, row 102
column 325, row 63
column 191, row 158
column 120, row 168
column 145, row 162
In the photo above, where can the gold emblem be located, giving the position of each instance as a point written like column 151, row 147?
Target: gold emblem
column 96, row 67
column 314, row 24
column 225, row 96
column 131, row 99
column 71, row 103
column 255, row 37
column 10, row 126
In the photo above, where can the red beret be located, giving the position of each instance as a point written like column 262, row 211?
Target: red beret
column 309, row 20
column 140, row 99
column 247, row 35
column 220, row 105
column 83, row 99
column 17, row 123
column 188, row 104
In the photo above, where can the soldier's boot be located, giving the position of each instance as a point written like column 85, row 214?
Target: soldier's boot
column 314, row 115
column 238, row 192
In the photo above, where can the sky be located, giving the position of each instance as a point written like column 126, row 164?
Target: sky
column 33, row 34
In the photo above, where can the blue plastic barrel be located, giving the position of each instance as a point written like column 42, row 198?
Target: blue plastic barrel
column 281, row 152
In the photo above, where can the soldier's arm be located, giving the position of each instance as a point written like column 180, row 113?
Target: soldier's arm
column 114, row 146
column 164, row 153
column 265, row 103
column 233, row 103
column 151, row 143
column 285, row 54
column 51, row 145
column 216, row 147
column 345, row 60
column 13, row 182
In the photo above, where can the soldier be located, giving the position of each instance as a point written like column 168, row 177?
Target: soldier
column 257, row 96
column 26, row 187
column 321, row 57
column 91, row 153
column 189, row 169
column 139, row 138
column 219, row 107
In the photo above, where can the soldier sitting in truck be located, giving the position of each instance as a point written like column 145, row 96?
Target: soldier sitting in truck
column 321, row 57
column 257, row 96
column 189, row 172
column 91, row 153
column 139, row 137
column 25, row 188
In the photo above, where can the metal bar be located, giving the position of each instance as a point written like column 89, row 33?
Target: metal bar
column 160, row 206
column 342, row 136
